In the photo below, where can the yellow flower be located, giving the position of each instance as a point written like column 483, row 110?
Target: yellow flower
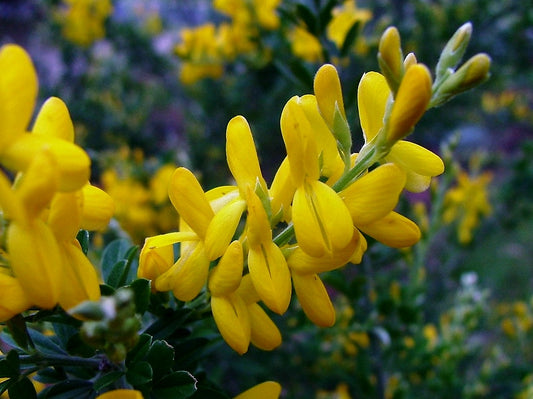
column 467, row 203
column 418, row 163
column 14, row 299
column 344, row 18
column 305, row 45
column 121, row 394
column 83, row 20
column 265, row 390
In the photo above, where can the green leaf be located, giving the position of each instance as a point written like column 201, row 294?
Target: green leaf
column 140, row 350
column 114, row 252
column 19, row 333
column 107, row 379
column 178, row 385
column 161, row 357
column 4, row 385
column 10, row 365
column 22, row 389
column 46, row 344
column 141, row 291
column 306, row 15
column 83, row 239
column 116, row 274
column 204, row 392
column 106, row 290
column 350, row 39
column 50, row 376
column 139, row 373
column 325, row 13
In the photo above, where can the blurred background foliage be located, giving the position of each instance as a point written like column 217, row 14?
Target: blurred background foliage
column 152, row 84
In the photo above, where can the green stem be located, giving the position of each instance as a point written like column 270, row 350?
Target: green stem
column 284, row 236
column 61, row 360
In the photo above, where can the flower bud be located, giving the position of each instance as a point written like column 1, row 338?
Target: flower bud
column 454, row 50
column 390, row 57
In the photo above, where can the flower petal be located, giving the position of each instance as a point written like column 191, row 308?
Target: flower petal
column 328, row 92
column 232, row 320
column 265, row 334
column 375, row 194
column 98, row 208
column 393, row 230
column 190, row 201
column 314, row 299
column 282, row 191
column 270, row 276
column 242, row 155
column 64, row 216
column 54, row 120
column 18, row 92
column 226, row 276
column 411, row 156
column 322, row 222
column 222, row 228
column 372, row 95
column 14, row 299
column 265, row 390
column 153, row 262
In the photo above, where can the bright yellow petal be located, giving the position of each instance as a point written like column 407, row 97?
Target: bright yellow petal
column 314, row 299
column 247, row 290
column 416, row 183
column 18, row 92
column 121, row 394
column 36, row 262
column 98, row 208
column 242, row 155
column 258, row 226
column 393, row 230
column 411, row 101
column 80, row 279
column 300, row 142
column 302, row 263
column 73, row 163
column 360, row 250
column 321, row 220
column 265, row 334
column 372, row 95
column 64, row 217
column 226, row 276
column 14, row 299
column 232, row 320
column 265, row 390
column 54, row 120
column 190, row 201
column 413, row 157
column 153, row 262
column 188, row 275
column 220, row 196
column 375, row 194
column 327, row 88
column 222, row 228
column 282, row 191
column 270, row 276
column 10, row 203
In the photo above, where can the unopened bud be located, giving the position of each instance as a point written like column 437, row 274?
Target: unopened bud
column 454, row 50
column 409, row 61
column 390, row 57
column 411, row 102
column 327, row 88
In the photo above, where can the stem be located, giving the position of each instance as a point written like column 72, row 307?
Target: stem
column 285, row 235
column 61, row 360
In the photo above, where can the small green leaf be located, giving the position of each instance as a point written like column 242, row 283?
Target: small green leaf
column 50, row 376
column 70, row 389
column 46, row 344
column 140, row 350
column 204, row 392
column 114, row 252
column 139, row 373
column 106, row 290
column 22, row 389
column 10, row 365
column 83, row 239
column 325, row 13
column 308, row 17
column 4, row 385
column 180, row 384
column 141, row 292
column 161, row 357
column 116, row 273
column 107, row 379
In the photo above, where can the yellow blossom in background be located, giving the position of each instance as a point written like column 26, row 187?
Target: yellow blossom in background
column 305, row 45
column 341, row 392
column 83, row 20
column 121, row 394
column 344, row 18
column 467, row 203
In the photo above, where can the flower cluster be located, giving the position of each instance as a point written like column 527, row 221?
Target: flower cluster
column 345, row 17
column 253, row 242
column 48, row 202
column 207, row 48
column 83, row 20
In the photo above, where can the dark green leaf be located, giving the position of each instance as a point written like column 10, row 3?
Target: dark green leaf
column 22, row 389
column 168, row 323
column 50, row 376
column 178, row 385
column 350, row 38
column 307, row 16
column 63, row 333
column 107, row 379
column 19, row 333
column 139, row 373
column 141, row 291
column 325, row 14
column 114, row 252
column 209, row 393
column 46, row 344
column 116, row 273
column 4, row 385
column 10, row 366
column 83, row 239
column 70, row 389
column 140, row 350
column 161, row 357
column 106, row 290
